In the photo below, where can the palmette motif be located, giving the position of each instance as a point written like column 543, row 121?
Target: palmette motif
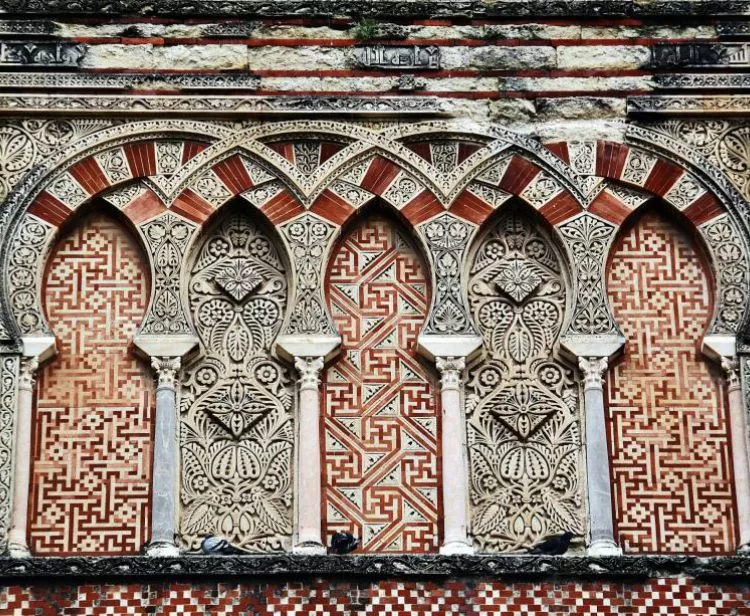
column 522, row 404
column 236, row 433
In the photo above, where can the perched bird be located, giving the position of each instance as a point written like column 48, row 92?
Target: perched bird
column 215, row 546
column 343, row 543
column 556, row 545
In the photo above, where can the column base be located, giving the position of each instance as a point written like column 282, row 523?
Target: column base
column 17, row 550
column 744, row 549
column 310, row 548
column 456, row 547
column 161, row 549
column 604, row 548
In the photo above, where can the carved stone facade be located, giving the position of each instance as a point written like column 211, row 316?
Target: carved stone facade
column 454, row 277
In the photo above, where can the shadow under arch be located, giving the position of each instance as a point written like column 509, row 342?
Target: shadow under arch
column 96, row 397
column 664, row 399
column 522, row 400
column 380, row 399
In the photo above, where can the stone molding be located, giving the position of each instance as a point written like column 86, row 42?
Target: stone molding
column 729, row 105
column 428, row 565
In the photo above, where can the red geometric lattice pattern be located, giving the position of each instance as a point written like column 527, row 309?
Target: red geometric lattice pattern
column 667, row 415
column 92, row 424
column 381, row 417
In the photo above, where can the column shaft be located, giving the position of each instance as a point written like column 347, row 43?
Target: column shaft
column 309, row 495
column 454, row 461
column 601, row 527
column 18, row 546
column 740, row 460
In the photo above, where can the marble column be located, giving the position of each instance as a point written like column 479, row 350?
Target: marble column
column 309, row 498
column 601, row 527
column 740, row 460
column 165, row 482
column 454, row 459
column 18, row 545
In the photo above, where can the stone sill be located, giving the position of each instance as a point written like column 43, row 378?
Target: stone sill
column 434, row 566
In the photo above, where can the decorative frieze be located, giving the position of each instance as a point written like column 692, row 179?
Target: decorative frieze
column 399, row 57
column 702, row 81
column 672, row 55
column 134, row 81
column 736, row 104
column 35, row 53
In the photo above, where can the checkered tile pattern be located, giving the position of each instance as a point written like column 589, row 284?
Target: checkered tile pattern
column 673, row 596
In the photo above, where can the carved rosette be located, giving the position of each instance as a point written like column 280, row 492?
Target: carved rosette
column 522, row 403
column 237, row 437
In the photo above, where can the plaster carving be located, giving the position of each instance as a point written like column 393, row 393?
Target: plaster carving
column 167, row 238
column 308, row 238
column 522, row 403
column 9, row 365
column 237, row 435
column 588, row 239
column 447, row 238
column 41, row 53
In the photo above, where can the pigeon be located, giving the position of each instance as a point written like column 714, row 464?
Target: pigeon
column 215, row 546
column 555, row 546
column 343, row 543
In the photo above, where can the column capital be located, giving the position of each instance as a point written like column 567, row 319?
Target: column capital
column 166, row 369
column 450, row 370
column 27, row 373
column 731, row 368
column 309, row 371
column 593, row 369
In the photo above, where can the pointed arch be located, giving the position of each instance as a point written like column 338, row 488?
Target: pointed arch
column 92, row 424
column 667, row 414
column 380, row 405
column 523, row 408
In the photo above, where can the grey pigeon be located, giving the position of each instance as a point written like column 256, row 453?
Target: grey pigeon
column 343, row 543
column 554, row 546
column 214, row 546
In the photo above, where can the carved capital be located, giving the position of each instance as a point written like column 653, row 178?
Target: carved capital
column 309, row 371
column 166, row 370
column 27, row 373
column 451, row 369
column 731, row 368
column 593, row 369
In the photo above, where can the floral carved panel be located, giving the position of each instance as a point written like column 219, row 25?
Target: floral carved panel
column 236, row 408
column 522, row 404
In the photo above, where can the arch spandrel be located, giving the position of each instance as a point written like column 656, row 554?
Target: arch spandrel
column 522, row 403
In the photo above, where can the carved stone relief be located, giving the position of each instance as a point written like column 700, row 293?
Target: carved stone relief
column 522, row 403
column 237, row 433
column 167, row 238
column 8, row 388
column 447, row 238
column 588, row 239
column 308, row 238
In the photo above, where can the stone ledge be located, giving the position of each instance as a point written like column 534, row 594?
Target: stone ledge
column 727, row 567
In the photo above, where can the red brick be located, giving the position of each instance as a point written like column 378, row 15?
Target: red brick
column 329, row 149
column 421, row 149
column 704, row 209
column 90, row 176
column 234, row 174
column 50, row 208
column 518, row 175
column 332, row 207
column 379, row 176
column 465, row 150
column 141, row 158
column 144, row 207
column 192, row 149
column 282, row 207
column 662, row 177
column 284, row 149
column 559, row 149
column 192, row 206
column 561, row 207
column 470, row 207
column 610, row 159
column 609, row 207
column 425, row 205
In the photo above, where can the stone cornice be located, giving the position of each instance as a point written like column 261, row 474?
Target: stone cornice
column 382, row 8
column 674, row 105
column 214, row 106
column 732, row 567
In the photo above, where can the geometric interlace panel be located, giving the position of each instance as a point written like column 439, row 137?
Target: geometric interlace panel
column 92, row 424
column 666, row 408
column 236, row 407
column 381, row 422
column 523, row 418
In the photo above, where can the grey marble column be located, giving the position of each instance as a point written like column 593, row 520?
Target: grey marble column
column 166, row 461
column 601, row 527
column 18, row 544
column 455, row 465
column 740, row 458
column 309, row 492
